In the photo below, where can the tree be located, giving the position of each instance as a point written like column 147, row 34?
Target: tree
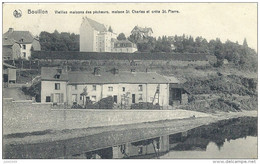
column 110, row 29
column 245, row 43
column 59, row 41
column 121, row 36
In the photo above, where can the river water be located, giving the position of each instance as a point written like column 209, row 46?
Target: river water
column 229, row 139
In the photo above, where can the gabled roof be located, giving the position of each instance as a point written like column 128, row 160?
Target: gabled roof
column 19, row 36
column 97, row 26
column 146, row 29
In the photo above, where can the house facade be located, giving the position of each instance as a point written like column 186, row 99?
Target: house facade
column 77, row 87
column 124, row 46
column 24, row 39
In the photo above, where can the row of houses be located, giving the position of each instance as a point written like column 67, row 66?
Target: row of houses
column 77, row 87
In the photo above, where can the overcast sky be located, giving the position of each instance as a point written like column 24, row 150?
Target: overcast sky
column 233, row 21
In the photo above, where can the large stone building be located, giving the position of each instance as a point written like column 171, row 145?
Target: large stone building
column 18, row 44
column 95, row 37
column 76, row 87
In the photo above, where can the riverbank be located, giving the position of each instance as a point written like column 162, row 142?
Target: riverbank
column 77, row 141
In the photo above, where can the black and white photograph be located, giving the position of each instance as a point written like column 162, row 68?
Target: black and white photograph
column 122, row 81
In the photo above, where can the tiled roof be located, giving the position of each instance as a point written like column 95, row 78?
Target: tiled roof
column 19, row 36
column 97, row 26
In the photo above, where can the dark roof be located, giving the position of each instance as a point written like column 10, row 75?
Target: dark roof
column 84, row 77
column 19, row 36
column 121, row 77
column 97, row 26
column 48, row 73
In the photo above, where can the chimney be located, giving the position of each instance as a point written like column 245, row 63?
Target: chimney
column 97, row 71
column 115, row 71
column 11, row 30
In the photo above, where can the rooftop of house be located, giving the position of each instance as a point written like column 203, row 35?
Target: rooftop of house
column 54, row 74
column 142, row 29
column 18, row 36
column 8, row 42
column 105, row 77
column 97, row 26
column 123, row 43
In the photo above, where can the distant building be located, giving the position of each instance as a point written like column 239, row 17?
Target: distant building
column 94, row 37
column 76, row 87
column 26, row 41
column 123, row 46
column 141, row 33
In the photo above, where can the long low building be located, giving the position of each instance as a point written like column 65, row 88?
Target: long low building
column 76, row 87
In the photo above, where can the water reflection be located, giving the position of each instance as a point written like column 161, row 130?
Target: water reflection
column 225, row 139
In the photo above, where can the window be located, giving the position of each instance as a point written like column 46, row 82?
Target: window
column 94, row 98
column 24, row 46
column 57, row 86
column 140, row 87
column 140, row 98
column 110, row 89
column 57, row 76
column 94, row 87
column 123, row 89
column 74, row 97
column 24, row 54
column 140, row 150
column 75, row 87
column 48, row 98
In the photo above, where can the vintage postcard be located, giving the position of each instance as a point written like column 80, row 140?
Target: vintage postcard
column 130, row 81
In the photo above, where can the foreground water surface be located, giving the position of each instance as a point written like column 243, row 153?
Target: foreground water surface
column 233, row 138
